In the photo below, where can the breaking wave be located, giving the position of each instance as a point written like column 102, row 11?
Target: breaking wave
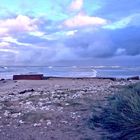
column 71, row 71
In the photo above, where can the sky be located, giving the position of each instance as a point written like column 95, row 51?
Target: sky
column 70, row 32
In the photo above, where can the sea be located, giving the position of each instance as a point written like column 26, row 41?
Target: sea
column 7, row 72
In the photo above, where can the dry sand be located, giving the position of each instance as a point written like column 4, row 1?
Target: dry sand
column 53, row 109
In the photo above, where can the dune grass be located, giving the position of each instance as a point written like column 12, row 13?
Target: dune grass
column 121, row 117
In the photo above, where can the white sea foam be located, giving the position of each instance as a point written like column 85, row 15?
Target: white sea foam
column 94, row 72
column 72, row 71
column 50, row 67
column 99, row 67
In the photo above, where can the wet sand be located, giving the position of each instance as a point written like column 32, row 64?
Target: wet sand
column 53, row 109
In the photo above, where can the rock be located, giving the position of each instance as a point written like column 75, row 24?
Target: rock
column 45, row 108
column 53, row 92
column 60, row 109
column 63, row 121
column 134, row 78
column 67, row 104
column 56, row 86
column 29, row 103
column 15, row 115
column 37, row 124
column 40, row 104
column 49, row 122
column 11, row 93
column 108, row 78
column 21, row 121
column 6, row 113
column 24, row 91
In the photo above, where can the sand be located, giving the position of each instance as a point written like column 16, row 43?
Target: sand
column 53, row 109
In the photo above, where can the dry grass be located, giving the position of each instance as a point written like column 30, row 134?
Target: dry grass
column 121, row 117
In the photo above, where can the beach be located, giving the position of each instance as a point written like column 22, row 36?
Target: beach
column 53, row 109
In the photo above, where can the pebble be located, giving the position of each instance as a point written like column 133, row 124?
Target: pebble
column 37, row 124
column 29, row 103
column 21, row 121
column 49, row 122
column 15, row 115
column 65, row 122
column 53, row 92
column 40, row 104
column 60, row 109
column 55, row 95
column 45, row 108
column 57, row 86
column 74, row 115
column 6, row 113
column 66, row 104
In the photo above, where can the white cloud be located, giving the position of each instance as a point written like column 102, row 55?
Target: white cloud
column 14, row 40
column 4, row 44
column 133, row 19
column 70, row 33
column 9, row 51
column 19, row 24
column 37, row 33
column 84, row 20
column 3, row 31
column 120, row 51
column 76, row 5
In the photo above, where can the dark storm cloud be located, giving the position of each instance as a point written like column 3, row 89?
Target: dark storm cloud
column 127, row 39
column 91, row 44
column 105, row 43
column 36, row 40
column 69, row 33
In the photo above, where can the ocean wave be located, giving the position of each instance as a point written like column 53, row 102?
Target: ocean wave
column 72, row 71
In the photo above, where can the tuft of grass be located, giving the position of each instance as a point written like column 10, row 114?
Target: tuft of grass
column 121, row 117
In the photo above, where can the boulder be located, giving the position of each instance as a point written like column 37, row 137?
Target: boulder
column 134, row 78
column 108, row 78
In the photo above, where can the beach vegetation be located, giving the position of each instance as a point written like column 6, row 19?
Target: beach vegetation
column 121, row 117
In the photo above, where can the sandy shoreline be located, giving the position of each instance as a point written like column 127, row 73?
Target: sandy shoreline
column 53, row 109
